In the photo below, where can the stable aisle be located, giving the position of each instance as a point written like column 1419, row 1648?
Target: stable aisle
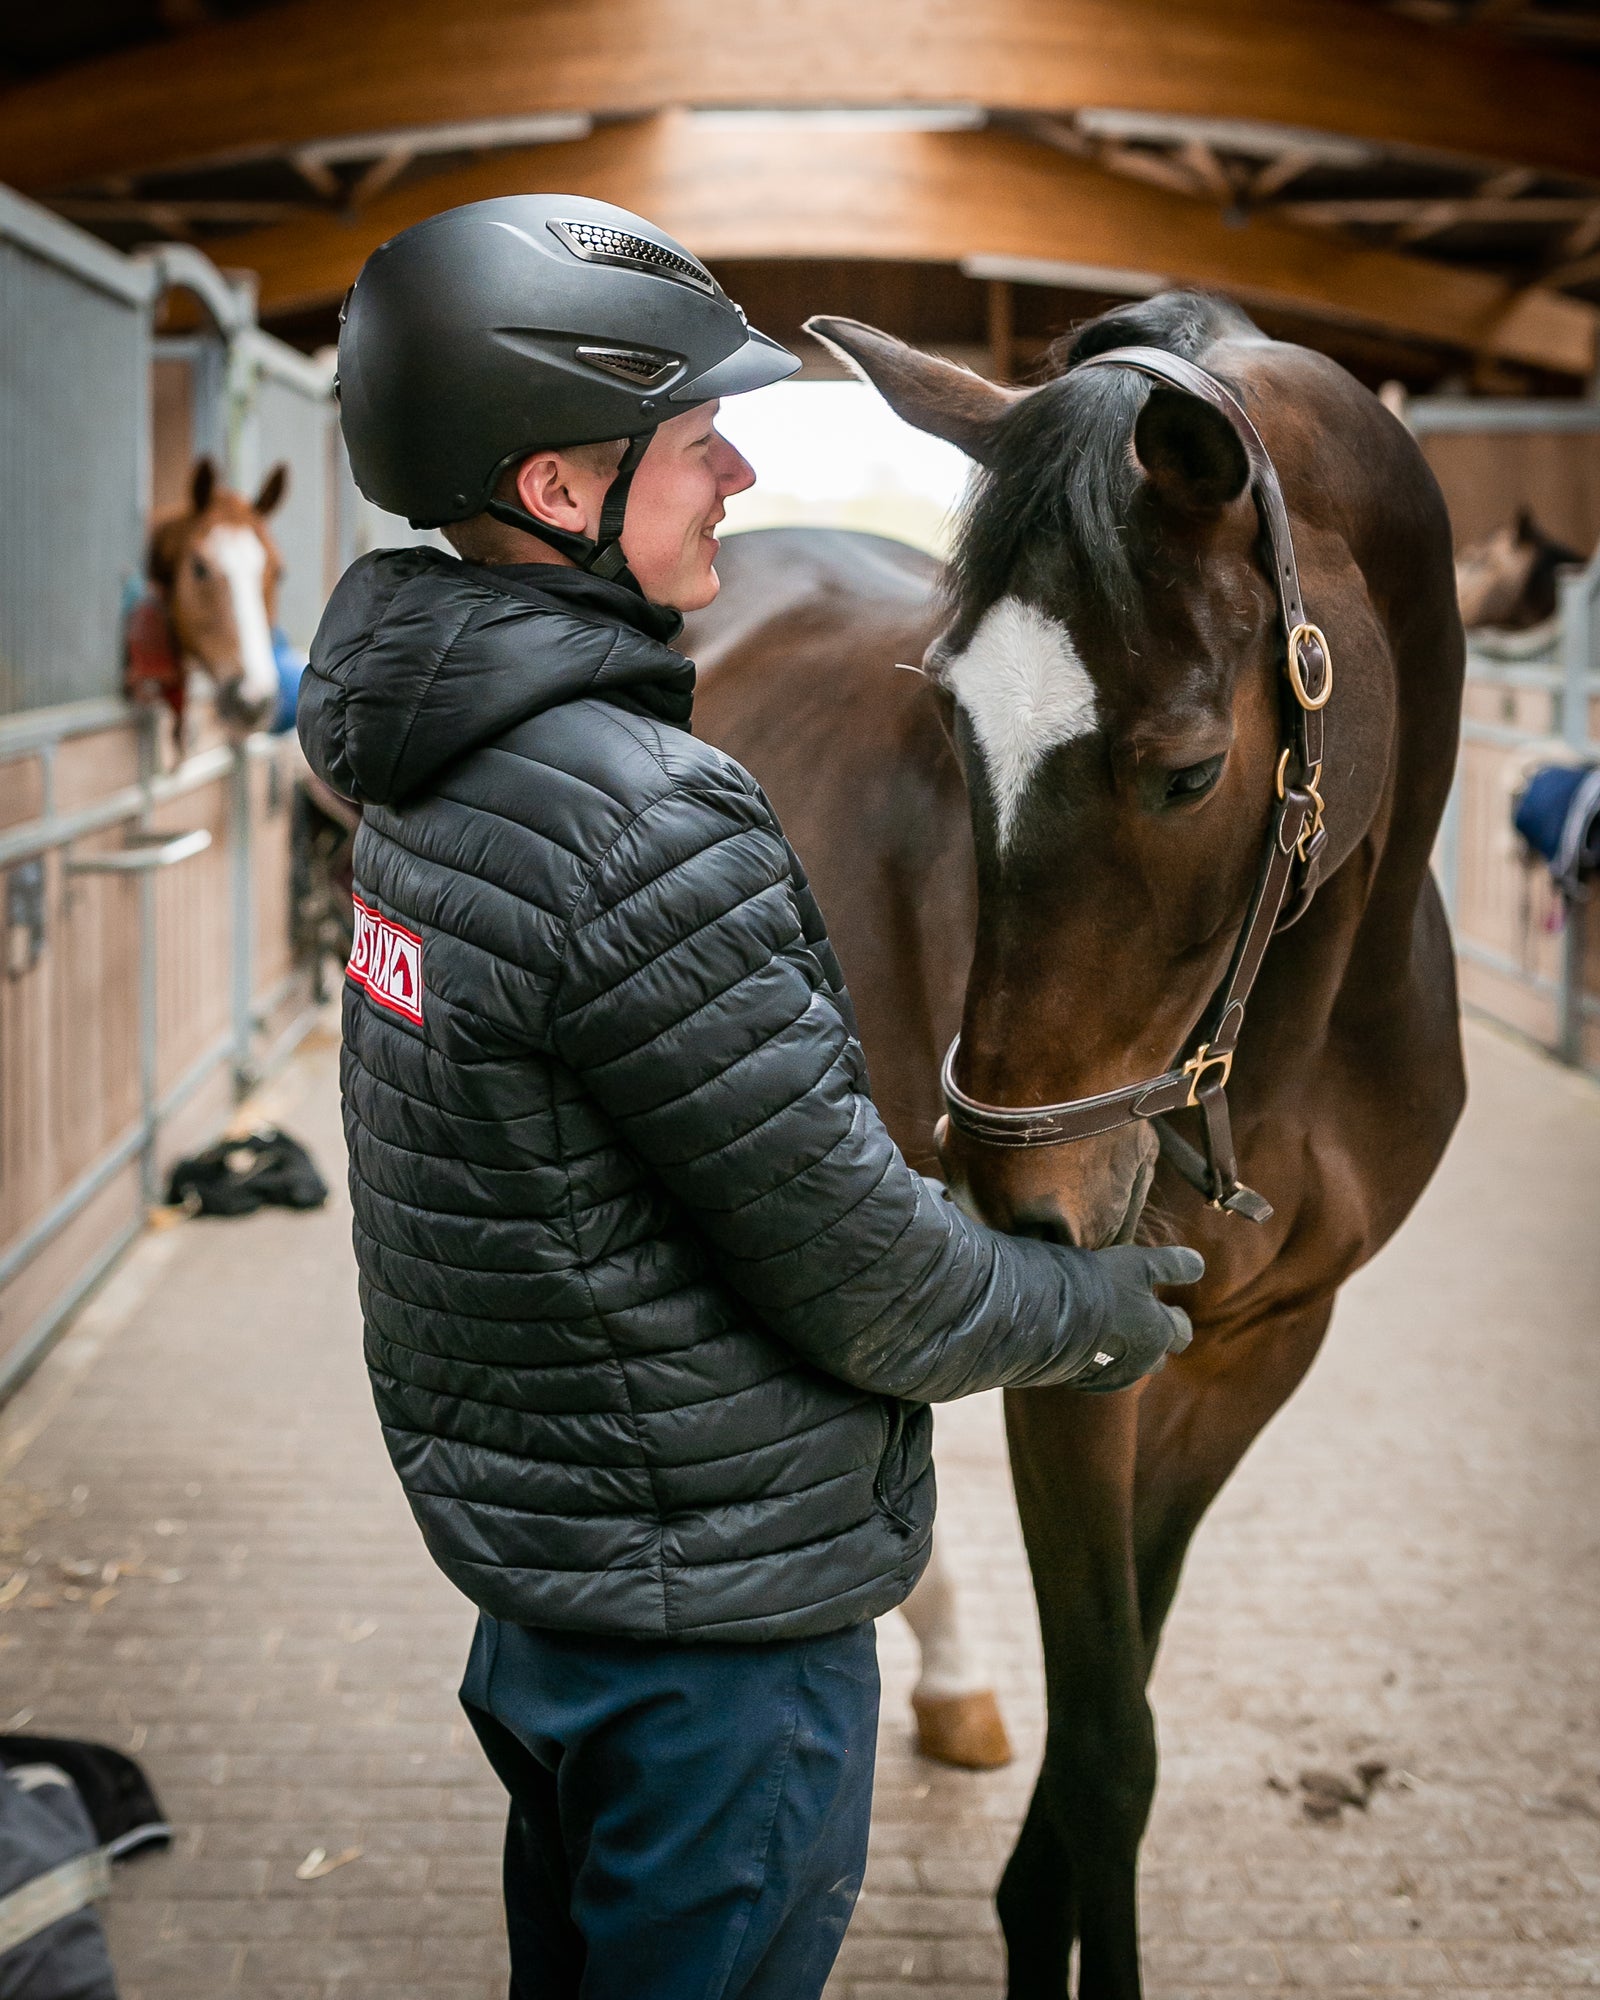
column 218, row 1572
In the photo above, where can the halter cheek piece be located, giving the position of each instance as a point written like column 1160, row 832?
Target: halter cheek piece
column 1284, row 885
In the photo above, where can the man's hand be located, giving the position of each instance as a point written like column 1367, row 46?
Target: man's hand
column 1137, row 1332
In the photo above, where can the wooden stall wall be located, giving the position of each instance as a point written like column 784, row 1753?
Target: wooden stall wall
column 1487, row 477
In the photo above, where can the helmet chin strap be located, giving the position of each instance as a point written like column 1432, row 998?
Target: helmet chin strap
column 601, row 555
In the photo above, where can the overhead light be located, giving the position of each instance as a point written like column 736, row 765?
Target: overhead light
column 1111, row 278
column 1232, row 135
column 844, row 117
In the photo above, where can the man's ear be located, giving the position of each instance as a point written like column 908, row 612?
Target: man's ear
column 545, row 490
column 933, row 395
column 1191, row 454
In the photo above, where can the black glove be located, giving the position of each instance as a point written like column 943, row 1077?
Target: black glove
column 1136, row 1331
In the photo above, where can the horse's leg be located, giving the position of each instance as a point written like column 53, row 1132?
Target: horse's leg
column 1073, row 1873
column 958, row 1719
column 1197, row 1418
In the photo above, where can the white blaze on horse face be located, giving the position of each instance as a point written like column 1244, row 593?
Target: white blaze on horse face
column 240, row 556
column 1026, row 691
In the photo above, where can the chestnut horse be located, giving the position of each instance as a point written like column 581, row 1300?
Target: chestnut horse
column 1105, row 691
column 212, row 570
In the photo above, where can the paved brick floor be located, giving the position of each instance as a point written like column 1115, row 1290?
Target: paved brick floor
column 1404, row 1571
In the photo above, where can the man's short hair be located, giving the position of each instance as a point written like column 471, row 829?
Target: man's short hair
column 481, row 538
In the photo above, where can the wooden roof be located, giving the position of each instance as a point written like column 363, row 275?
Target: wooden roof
column 305, row 71
column 998, row 198
column 1420, row 169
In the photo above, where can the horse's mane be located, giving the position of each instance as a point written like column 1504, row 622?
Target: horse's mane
column 1061, row 473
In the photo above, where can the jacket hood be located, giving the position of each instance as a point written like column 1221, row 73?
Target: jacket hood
column 421, row 657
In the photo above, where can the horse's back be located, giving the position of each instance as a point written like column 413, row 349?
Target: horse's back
column 802, row 662
column 808, row 601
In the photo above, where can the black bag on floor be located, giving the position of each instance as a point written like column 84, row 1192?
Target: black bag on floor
column 116, row 1794
column 241, row 1175
column 53, row 1868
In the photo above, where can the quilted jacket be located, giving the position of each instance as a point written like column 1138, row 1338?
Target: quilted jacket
column 654, row 1309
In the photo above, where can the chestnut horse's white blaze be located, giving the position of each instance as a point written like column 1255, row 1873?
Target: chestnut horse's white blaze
column 1022, row 685
column 239, row 556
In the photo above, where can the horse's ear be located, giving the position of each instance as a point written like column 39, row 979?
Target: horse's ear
column 1190, row 453
column 273, row 488
column 161, row 553
column 933, row 395
column 202, row 485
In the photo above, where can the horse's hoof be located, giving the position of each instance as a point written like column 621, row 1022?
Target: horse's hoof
column 962, row 1729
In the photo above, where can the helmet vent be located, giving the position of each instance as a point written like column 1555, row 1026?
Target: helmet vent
column 640, row 365
column 598, row 243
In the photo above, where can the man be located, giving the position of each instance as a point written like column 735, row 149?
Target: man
column 654, row 1309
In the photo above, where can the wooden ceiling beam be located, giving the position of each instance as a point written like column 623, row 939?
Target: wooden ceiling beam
column 922, row 197
column 1429, row 213
column 95, row 209
column 290, row 75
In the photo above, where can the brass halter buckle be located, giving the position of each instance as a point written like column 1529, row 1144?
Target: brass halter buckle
column 1312, row 825
column 1197, row 1065
column 1297, row 678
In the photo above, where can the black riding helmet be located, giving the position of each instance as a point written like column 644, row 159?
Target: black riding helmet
column 520, row 324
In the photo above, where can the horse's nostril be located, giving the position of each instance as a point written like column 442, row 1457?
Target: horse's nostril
column 1045, row 1225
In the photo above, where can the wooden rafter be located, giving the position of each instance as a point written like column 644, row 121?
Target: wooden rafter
column 1429, row 215
column 303, row 72
column 1276, row 175
column 744, row 191
column 159, row 213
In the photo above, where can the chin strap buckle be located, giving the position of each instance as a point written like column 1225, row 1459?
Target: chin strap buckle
column 607, row 562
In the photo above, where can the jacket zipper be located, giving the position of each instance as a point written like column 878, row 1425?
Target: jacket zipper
column 895, row 1419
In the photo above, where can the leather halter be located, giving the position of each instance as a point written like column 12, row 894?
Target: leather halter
column 1284, row 885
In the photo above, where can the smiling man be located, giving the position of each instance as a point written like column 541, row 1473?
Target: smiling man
column 654, row 1309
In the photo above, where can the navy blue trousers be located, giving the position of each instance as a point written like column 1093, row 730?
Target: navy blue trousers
column 687, row 1822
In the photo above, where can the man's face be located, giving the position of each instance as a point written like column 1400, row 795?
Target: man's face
column 675, row 505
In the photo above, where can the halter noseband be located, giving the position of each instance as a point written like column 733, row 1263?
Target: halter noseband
column 1284, row 885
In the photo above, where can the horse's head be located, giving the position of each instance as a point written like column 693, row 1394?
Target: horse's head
column 1508, row 580
column 218, row 568
column 1110, row 676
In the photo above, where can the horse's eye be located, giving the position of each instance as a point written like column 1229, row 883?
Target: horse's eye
column 198, row 569
column 1193, row 781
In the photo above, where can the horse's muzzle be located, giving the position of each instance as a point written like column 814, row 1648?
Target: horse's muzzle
column 1089, row 1194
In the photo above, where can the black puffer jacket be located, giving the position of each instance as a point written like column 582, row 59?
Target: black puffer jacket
column 654, row 1308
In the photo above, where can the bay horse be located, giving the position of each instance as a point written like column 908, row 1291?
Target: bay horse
column 1050, row 840
column 212, row 572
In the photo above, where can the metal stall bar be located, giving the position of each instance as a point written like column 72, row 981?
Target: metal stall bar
column 1579, row 595
column 140, row 857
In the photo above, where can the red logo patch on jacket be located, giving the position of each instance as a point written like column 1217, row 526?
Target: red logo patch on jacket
column 386, row 962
